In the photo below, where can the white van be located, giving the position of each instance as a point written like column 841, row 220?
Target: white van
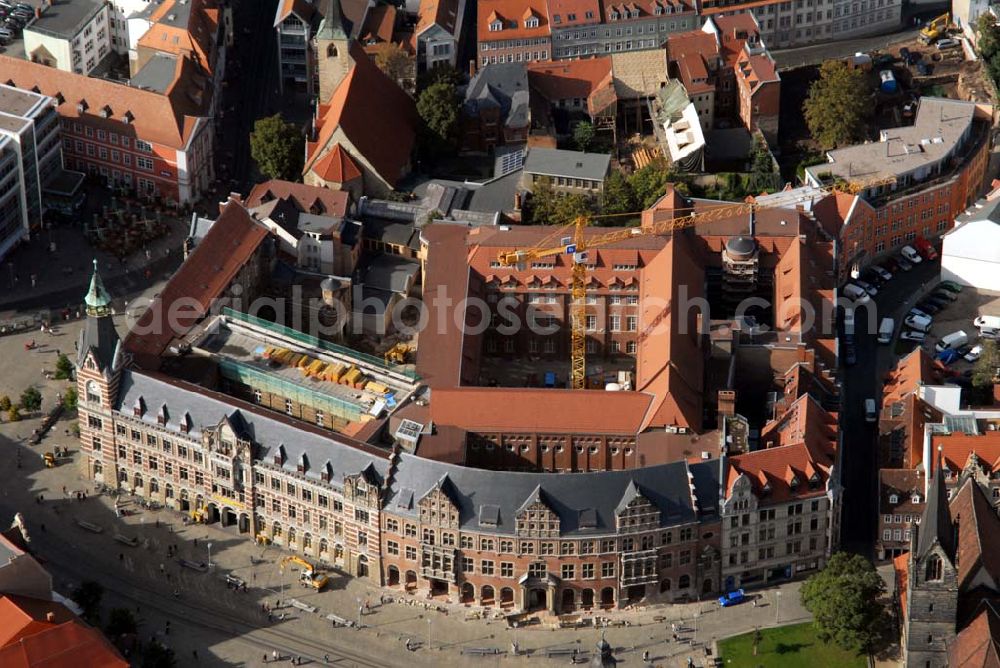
column 871, row 410
column 918, row 322
column 987, row 322
column 886, row 329
column 952, row 341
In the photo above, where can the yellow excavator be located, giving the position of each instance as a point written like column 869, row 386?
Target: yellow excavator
column 935, row 29
column 308, row 576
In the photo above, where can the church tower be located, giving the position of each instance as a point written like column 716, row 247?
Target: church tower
column 330, row 49
column 932, row 582
column 99, row 363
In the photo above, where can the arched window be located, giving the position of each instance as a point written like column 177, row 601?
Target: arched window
column 934, row 568
column 331, row 51
column 684, row 581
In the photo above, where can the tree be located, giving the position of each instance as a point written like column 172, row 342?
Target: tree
column 155, row 655
column 650, row 182
column 617, row 196
column 121, row 621
column 278, row 148
column 838, row 105
column 395, row 63
column 70, row 399
column 13, row 414
column 547, row 207
column 438, row 106
column 844, row 599
column 583, row 135
column 987, row 368
column 64, row 368
column 88, row 596
column 4, row 403
column 987, row 35
column 31, row 399
column 440, row 74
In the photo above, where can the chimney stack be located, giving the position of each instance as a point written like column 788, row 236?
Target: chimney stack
column 50, row 617
column 727, row 403
column 517, row 201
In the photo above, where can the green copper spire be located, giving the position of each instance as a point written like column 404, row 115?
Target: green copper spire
column 97, row 299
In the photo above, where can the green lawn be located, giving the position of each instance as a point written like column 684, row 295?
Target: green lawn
column 786, row 647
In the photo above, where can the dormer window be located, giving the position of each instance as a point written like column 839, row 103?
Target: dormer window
column 613, row 16
column 893, row 499
column 658, row 10
column 794, row 483
column 916, row 498
column 766, row 489
column 279, row 455
column 531, row 23
column 106, row 111
column 634, row 13
column 571, row 17
column 496, row 26
column 557, row 18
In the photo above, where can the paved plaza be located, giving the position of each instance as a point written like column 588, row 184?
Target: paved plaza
column 227, row 627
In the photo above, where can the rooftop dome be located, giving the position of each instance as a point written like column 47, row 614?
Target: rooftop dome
column 741, row 246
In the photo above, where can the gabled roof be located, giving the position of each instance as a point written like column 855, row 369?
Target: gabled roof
column 978, row 644
column 772, row 465
column 375, row 115
column 978, row 545
column 512, row 14
column 337, row 166
column 443, row 13
column 308, row 199
column 185, row 28
column 36, row 633
column 167, row 119
column 304, row 9
column 189, row 294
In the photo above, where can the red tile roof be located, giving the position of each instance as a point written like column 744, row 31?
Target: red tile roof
column 437, row 12
column 206, row 273
column 512, row 13
column 901, row 568
column 574, row 12
column 695, row 55
column 978, row 644
column 337, row 166
column 302, row 8
column 588, row 79
column 779, row 465
column 977, row 554
column 957, row 448
column 308, row 199
column 911, row 372
column 35, row 633
column 375, row 115
column 511, row 410
column 196, row 41
column 379, row 24
column 167, row 119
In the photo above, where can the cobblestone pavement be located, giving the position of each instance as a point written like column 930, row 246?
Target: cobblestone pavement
column 227, row 627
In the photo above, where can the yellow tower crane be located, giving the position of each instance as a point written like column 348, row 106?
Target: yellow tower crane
column 575, row 242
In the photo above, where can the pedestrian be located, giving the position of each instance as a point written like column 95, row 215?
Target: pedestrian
column 326, row 658
column 755, row 603
column 270, row 617
column 64, row 490
column 274, row 654
column 194, row 653
column 645, row 655
column 265, row 657
column 409, row 645
column 196, row 542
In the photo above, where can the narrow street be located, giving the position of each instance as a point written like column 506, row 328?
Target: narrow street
column 862, row 381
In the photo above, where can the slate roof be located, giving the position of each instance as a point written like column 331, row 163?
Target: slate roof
column 978, row 644
column 157, row 74
column 978, row 540
column 503, row 86
column 936, row 522
column 65, row 18
column 313, row 199
column 270, row 431
column 571, row 164
column 584, row 502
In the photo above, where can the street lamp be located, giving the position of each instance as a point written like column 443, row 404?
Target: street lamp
column 209, row 555
column 360, row 609
column 429, row 622
column 777, row 605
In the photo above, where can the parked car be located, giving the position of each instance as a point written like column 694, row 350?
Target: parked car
column 884, row 273
column 911, row 254
column 927, row 307
column 940, row 303
column 948, row 356
column 856, row 293
column 732, row 598
column 913, row 336
column 974, row 354
column 947, row 43
column 904, row 264
column 850, row 355
column 917, row 312
column 952, row 341
column 950, row 286
column 944, row 294
column 869, row 276
column 925, row 248
column 866, row 286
